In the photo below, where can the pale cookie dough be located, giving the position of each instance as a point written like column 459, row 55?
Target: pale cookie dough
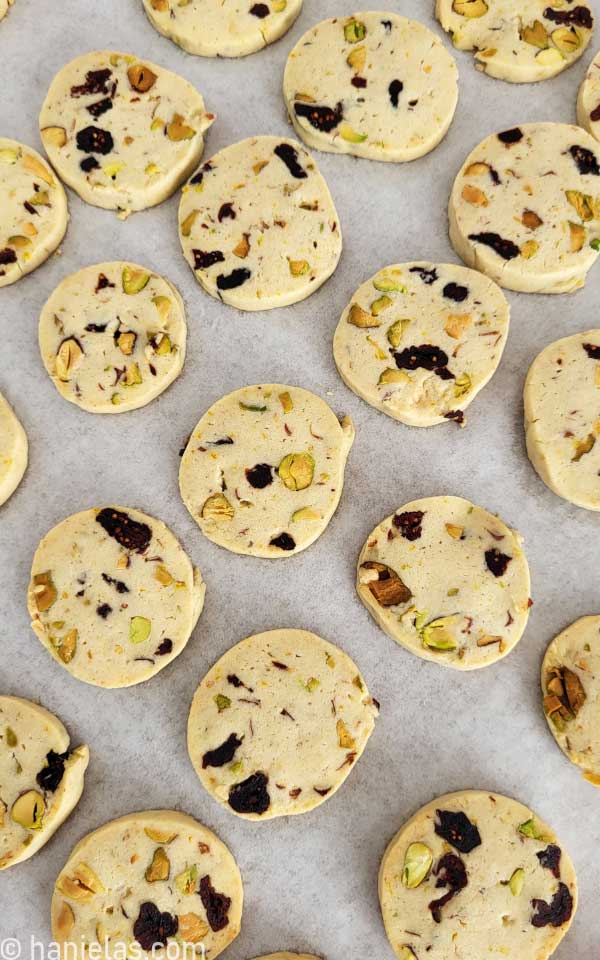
column 375, row 85
column 113, row 337
column 420, row 340
column 156, row 879
column 278, row 723
column 288, row 956
column 123, row 133
column 588, row 101
column 519, row 40
column 472, row 875
column 113, row 596
column 562, row 417
column 448, row 581
column 41, row 779
column 525, row 208
column 33, row 211
column 13, row 451
column 4, row 5
column 263, row 471
column 258, row 226
column 222, row 28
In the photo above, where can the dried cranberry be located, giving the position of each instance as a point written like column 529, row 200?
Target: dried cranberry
column 586, row 161
column 216, row 905
column 103, row 282
column 283, row 542
column 95, row 327
column 51, row 775
column 203, row 259
column 289, row 155
column 119, row 586
column 260, row 10
column 497, row 562
column 595, row 114
column 457, row 415
column 88, row 164
column 426, row 356
column 100, row 107
column 229, row 281
column 457, row 829
column 550, row 859
column 251, row 795
column 557, row 912
column 234, row 681
column 451, row 872
column 95, row 82
column 454, row 291
column 504, row 248
column 395, row 89
column 7, row 256
column 511, row 136
column 321, row 118
column 359, row 82
column 409, row 524
column 226, row 212
column 95, row 140
column 165, row 646
column 427, row 276
column 592, row 350
column 129, row 533
column 152, row 928
column 578, row 16
column 103, row 610
column 260, row 476
column 223, row 754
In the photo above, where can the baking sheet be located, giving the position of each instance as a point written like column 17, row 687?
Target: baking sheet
column 310, row 882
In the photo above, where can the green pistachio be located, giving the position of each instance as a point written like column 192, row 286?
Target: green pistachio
column 139, row 629
column 297, row 471
column 417, row 864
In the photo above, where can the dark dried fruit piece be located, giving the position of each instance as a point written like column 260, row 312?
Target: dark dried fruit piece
column 260, row 10
column 229, row 281
column 223, row 754
column 7, row 256
column 152, row 928
column 283, row 542
column 51, row 775
column 226, row 212
column 511, row 136
column 389, row 590
column 95, row 82
column 321, row 118
column 95, row 140
column 592, row 350
column 119, row 586
column 497, row 562
column 260, row 476
column 578, row 16
column 550, row 859
column 457, row 415
column 427, row 276
column 595, row 114
column 103, row 610
column 251, row 795
column 100, row 107
column 451, row 872
column 457, row 829
column 395, row 89
column 426, row 356
column 557, row 912
column 88, row 164
column 216, row 905
column 288, row 155
column 129, row 533
column 359, row 82
column 165, row 646
column 586, row 161
column 454, row 291
column 203, row 259
column 504, row 248
column 409, row 524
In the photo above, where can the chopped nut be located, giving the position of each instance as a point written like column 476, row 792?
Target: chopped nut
column 417, row 864
column 82, row 885
column 159, row 868
column 192, row 929
column 286, row 402
column 159, row 836
column 387, row 587
column 351, row 135
column 354, row 31
column 163, row 305
column 133, row 376
column 470, row 8
column 529, row 249
column 531, row 220
column 68, row 356
column 54, row 136
column 345, row 740
column 437, row 636
column 305, row 513
column 242, row 248
column 177, row 129
column 379, row 305
column 516, row 882
column 396, row 332
column 28, row 810
column 474, row 196
column 454, row 531
column 65, row 920
column 134, row 280
column 392, row 375
column 217, row 507
column 126, row 342
column 457, row 323
column 357, row 59
column 296, row 470
column 139, row 629
column 566, row 39
column 360, row 318
column 577, row 236
column 477, row 169
column 299, row 268
column 44, row 591
column 37, row 168
column 582, row 447
column 536, row 35
column 582, row 203
column 188, row 223
column 66, row 646
column 186, row 881
column 141, row 77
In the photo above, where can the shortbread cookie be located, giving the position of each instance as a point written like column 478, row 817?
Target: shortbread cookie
column 375, row 85
column 519, row 40
column 258, row 226
column 33, row 211
column 222, row 28
column 113, row 337
column 123, row 133
column 148, row 880
column 474, row 874
column 4, row 5
column 448, row 581
column 278, row 723
column 420, row 340
column 588, row 101
column 525, row 207
column 113, row 596
column 41, row 779
column 13, row 451
column 263, row 471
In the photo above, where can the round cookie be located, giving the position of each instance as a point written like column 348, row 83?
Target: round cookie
column 448, row 581
column 152, row 879
column 13, row 451
column 123, row 133
column 472, row 874
column 113, row 596
column 41, row 779
column 222, row 28
column 263, row 471
column 258, row 226
column 420, row 340
column 4, row 5
column 526, row 229
column 374, row 85
column 562, row 417
column 277, row 724
column 521, row 41
column 588, row 101
column 33, row 211
column 113, row 337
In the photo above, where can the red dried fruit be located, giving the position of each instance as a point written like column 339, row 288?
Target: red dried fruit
column 451, row 872
column 592, row 350
column 497, row 562
column 203, row 259
column 7, row 256
column 283, row 542
column 457, row 829
column 409, row 524
column 223, row 754
column 320, row 117
column 129, row 533
column 454, row 291
column 550, row 859
column 578, row 16
column 226, row 212
column 51, row 775
column 288, row 155
column 395, row 89
column 100, row 107
column 359, row 82
column 557, row 912
column 119, row 586
column 216, row 905
column 234, row 279
column 103, row 610
column 427, row 276
column 511, row 136
column 95, row 140
column 95, row 82
column 586, row 161
column 260, row 476
column 457, row 415
column 164, row 647
column 251, row 795
column 152, row 928
column 260, row 10
column 595, row 114
column 504, row 248
column 88, row 164
column 426, row 356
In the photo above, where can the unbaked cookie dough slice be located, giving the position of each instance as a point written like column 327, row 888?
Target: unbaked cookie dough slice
column 258, row 225
column 525, row 208
column 263, row 471
column 113, row 337
column 474, row 874
column 588, row 101
column 123, row 133
column 278, row 723
column 420, row 340
column 222, row 28
column 113, row 596
column 448, row 581
column 146, row 881
column 519, row 40
column 41, row 779
column 13, row 451
column 375, row 85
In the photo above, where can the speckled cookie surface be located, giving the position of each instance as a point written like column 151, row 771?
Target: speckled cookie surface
column 420, row 340
column 519, row 41
column 263, row 471
column 375, row 85
column 113, row 337
column 113, row 596
column 448, row 581
column 222, row 28
column 524, row 208
column 148, row 881
column 588, row 101
column 13, row 451
column 258, row 225
column 41, row 778
column 278, row 723
column 122, row 132
column 476, row 874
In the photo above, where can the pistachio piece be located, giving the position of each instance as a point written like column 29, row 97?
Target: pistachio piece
column 66, row 646
column 345, row 740
column 477, row 169
column 531, row 220
column 286, row 402
column 82, row 885
column 68, row 356
column 351, row 135
column 381, row 304
column 437, row 636
column 8, row 155
column 192, row 928
column 454, row 531
column 188, row 223
column 37, row 168
column 141, row 77
column 163, row 305
column 299, row 268
column 396, row 332
column 28, row 810
column 470, row 8
column 159, row 836
column 474, row 196
column 462, row 385
column 19, row 242
column 44, row 591
column 418, row 860
column 582, row 204
column 549, row 57
column 242, row 248
column 139, row 629
column 566, row 39
column 162, row 345
column 10, row 737
column 177, row 129
column 162, row 6
column 456, row 324
column 159, row 868
column 217, row 507
column 393, row 375
column 54, row 136
column 517, row 882
column 576, row 236
column 582, row 447
column 126, row 342
column 387, row 285
column 384, row 584
column 305, row 513
column 357, row 59
column 360, row 318
column 529, row 249
column 186, row 880
column 406, row 953
column 133, row 376
column 222, row 702
column 531, row 830
column 296, row 471
column 65, row 920
column 134, row 280
column 535, row 34
column 354, row 31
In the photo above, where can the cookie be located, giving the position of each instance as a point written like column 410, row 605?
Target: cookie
column 588, row 101
column 420, row 340
column 4, row 5
column 222, row 28
column 521, row 41
column 263, row 471
column 562, row 417
column 113, row 596
column 113, row 337
column 41, row 779
column 123, row 133
column 33, row 211
column 448, row 581
column 148, row 880
column 278, row 723
column 288, row 956
column 472, row 874
column 526, row 229
column 13, row 451
column 375, row 85
column 258, row 226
